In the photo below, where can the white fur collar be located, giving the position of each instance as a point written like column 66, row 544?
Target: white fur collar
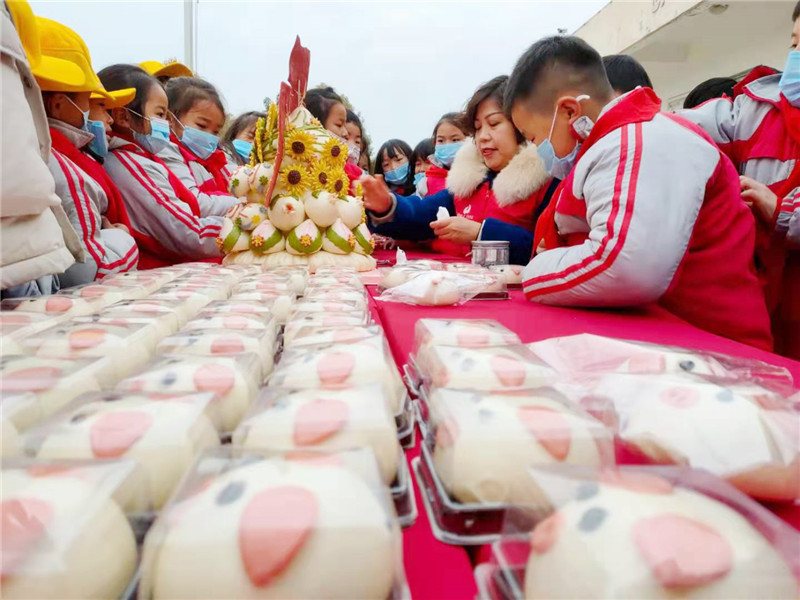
column 522, row 176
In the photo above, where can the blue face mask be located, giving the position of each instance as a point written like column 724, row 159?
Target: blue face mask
column 85, row 114
column 446, row 153
column 790, row 80
column 418, row 177
column 99, row 145
column 200, row 142
column 398, row 175
column 243, row 148
column 157, row 139
column 560, row 166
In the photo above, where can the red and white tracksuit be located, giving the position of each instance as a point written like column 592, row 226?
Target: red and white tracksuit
column 107, row 250
column 175, row 230
column 760, row 132
column 211, row 199
column 652, row 211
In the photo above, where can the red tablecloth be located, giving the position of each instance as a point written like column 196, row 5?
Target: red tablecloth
column 436, row 570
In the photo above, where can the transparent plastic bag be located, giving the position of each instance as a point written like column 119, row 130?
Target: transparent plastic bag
column 442, row 288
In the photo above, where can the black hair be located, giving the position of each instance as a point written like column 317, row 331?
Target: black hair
column 494, row 89
column 625, row 73
column 320, row 101
column 554, row 65
column 796, row 12
column 122, row 76
column 184, row 92
column 423, row 150
column 716, row 87
column 353, row 118
column 453, row 118
column 391, row 149
column 239, row 124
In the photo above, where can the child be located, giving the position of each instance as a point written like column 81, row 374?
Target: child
column 393, row 164
column 87, row 195
column 237, row 141
column 651, row 206
column 625, row 73
column 448, row 136
column 496, row 188
column 162, row 211
column 716, row 87
column 422, row 163
column 329, row 109
column 196, row 117
column 760, row 131
column 356, row 142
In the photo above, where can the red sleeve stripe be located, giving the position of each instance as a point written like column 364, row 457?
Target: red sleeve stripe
column 597, row 263
column 87, row 222
column 160, row 197
column 128, row 261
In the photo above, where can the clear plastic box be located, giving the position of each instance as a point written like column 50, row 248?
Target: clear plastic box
column 173, row 317
column 212, row 291
column 65, row 534
column 278, row 303
column 342, row 279
column 311, row 335
column 188, row 302
column 584, row 357
column 53, row 382
column 234, row 380
column 123, row 345
column 298, row 276
column 17, row 412
column 231, row 322
column 21, row 324
column 102, row 295
column 248, row 308
column 224, row 342
column 743, row 433
column 323, row 321
column 473, row 464
column 163, row 437
column 465, row 333
column 53, row 305
column 359, row 297
column 273, row 285
column 151, row 279
column 336, row 366
column 311, row 525
column 306, row 306
column 487, row 369
column 645, row 532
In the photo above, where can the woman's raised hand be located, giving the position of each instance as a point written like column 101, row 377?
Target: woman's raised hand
column 377, row 197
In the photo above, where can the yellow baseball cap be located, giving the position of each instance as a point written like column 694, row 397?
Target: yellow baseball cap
column 59, row 41
column 47, row 66
column 116, row 98
column 173, row 69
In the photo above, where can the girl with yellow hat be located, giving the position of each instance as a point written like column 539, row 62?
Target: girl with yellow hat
column 163, row 211
column 88, row 196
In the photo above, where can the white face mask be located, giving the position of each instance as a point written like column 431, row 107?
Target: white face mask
column 85, row 114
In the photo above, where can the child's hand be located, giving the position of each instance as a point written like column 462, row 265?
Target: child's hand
column 377, row 196
column 759, row 197
column 122, row 227
column 456, row 229
column 540, row 248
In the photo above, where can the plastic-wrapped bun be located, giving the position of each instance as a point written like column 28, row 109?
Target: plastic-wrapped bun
column 635, row 535
column 280, row 530
column 484, row 446
column 62, row 538
column 286, row 213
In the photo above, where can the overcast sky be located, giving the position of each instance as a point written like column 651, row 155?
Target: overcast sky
column 402, row 64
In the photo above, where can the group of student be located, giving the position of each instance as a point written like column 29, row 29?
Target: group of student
column 607, row 199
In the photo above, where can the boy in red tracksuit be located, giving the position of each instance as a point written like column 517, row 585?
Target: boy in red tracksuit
column 650, row 205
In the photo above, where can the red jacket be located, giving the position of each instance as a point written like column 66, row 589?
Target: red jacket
column 512, row 196
column 653, row 212
column 435, row 178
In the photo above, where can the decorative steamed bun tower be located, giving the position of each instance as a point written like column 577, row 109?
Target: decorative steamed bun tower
column 298, row 205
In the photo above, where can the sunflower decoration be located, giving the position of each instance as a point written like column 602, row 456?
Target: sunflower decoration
column 320, row 175
column 299, row 145
column 334, row 152
column 338, row 183
column 295, row 180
